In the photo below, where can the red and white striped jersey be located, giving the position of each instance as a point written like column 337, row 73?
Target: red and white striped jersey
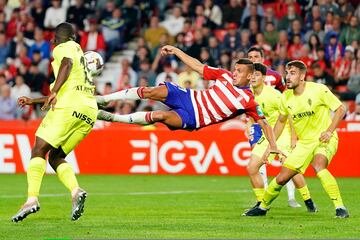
column 274, row 79
column 223, row 100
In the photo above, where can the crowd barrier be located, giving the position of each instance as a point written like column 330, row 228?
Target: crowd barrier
column 128, row 149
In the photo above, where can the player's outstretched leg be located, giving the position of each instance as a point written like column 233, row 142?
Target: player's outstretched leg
column 155, row 93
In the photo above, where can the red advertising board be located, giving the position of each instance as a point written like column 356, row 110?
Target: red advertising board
column 125, row 149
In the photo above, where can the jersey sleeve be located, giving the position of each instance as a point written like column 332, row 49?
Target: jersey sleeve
column 282, row 108
column 328, row 98
column 280, row 84
column 211, row 73
column 61, row 51
column 254, row 111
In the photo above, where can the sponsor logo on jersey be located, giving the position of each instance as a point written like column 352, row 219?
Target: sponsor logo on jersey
column 303, row 114
column 83, row 117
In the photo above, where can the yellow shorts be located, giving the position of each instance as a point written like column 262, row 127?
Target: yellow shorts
column 282, row 143
column 66, row 127
column 304, row 152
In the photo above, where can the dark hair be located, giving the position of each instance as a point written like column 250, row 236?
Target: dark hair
column 256, row 49
column 298, row 64
column 247, row 62
column 65, row 31
column 261, row 68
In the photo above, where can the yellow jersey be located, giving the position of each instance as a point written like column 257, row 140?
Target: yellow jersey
column 270, row 101
column 310, row 111
column 79, row 88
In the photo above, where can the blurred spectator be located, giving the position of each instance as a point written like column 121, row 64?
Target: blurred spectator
column 4, row 49
column 232, row 38
column 37, row 81
column 4, row 8
column 326, row 7
column 124, row 82
column 316, row 29
column 153, row 33
column 200, row 18
column 77, row 14
column 355, row 116
column 333, row 50
column 205, row 57
column 188, row 75
column 132, row 17
column 54, row 15
column 16, row 44
column 37, row 12
column 351, row 32
column 214, row 50
column 254, row 29
column 346, row 10
column 146, row 71
column 213, row 12
column 286, row 21
column 314, row 44
column 167, row 75
column 40, row 44
column 312, row 16
column 106, row 12
column 142, row 54
column 29, row 31
column 187, row 8
column 180, row 42
column 253, row 16
column 199, row 42
column 321, row 76
column 93, row 40
column 271, row 34
column 296, row 29
column 127, row 71
column 188, row 34
column 174, row 23
column 12, row 25
column 232, row 11
column 269, row 17
column 7, row 104
column 294, row 51
column 113, row 29
column 42, row 63
column 260, row 42
column 20, row 88
column 245, row 43
column 246, row 13
column 344, row 66
column 324, row 63
column 225, row 61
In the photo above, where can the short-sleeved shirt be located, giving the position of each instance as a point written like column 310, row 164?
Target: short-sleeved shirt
column 310, row 111
column 79, row 87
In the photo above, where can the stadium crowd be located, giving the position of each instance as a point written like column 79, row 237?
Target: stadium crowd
column 324, row 34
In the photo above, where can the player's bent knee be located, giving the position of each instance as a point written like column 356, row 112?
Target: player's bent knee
column 281, row 180
column 252, row 169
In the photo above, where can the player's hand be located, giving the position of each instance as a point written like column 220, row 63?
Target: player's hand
column 50, row 100
column 325, row 136
column 22, row 101
column 272, row 151
column 167, row 50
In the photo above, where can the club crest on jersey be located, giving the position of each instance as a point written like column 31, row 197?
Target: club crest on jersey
column 309, row 102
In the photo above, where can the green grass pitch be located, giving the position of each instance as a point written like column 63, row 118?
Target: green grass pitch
column 172, row 207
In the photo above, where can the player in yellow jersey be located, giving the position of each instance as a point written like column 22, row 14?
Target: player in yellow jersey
column 71, row 117
column 309, row 105
column 269, row 99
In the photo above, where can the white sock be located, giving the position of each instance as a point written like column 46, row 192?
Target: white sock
column 263, row 174
column 290, row 187
column 142, row 118
column 31, row 200
column 131, row 93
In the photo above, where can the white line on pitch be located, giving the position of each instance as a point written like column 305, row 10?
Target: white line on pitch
column 129, row 193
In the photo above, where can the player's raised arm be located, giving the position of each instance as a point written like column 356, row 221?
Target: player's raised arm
column 193, row 63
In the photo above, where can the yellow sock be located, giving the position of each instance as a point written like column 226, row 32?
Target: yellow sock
column 330, row 185
column 66, row 175
column 35, row 173
column 271, row 193
column 305, row 194
column 259, row 193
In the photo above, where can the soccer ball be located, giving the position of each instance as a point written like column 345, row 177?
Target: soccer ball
column 95, row 63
